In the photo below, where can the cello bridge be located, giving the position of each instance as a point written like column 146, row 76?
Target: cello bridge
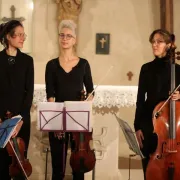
column 171, row 151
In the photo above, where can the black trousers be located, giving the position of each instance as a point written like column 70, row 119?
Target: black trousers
column 5, row 159
column 59, row 155
column 145, row 162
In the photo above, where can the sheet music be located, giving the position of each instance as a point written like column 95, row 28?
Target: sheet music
column 6, row 129
column 68, row 116
column 51, row 116
column 130, row 137
column 85, row 108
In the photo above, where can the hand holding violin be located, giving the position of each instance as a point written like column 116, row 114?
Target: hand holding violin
column 18, row 127
column 59, row 135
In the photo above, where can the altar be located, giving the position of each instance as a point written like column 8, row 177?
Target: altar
column 108, row 139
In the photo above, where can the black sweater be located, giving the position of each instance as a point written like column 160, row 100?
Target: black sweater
column 67, row 86
column 154, row 86
column 16, row 83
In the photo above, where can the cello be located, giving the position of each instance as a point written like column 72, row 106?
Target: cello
column 164, row 163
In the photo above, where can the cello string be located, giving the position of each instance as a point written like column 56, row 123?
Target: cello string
column 167, row 100
column 18, row 160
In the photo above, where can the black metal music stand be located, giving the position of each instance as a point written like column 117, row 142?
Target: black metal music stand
column 131, row 140
column 63, row 114
column 47, row 150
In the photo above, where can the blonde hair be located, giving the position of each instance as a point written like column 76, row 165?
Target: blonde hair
column 70, row 25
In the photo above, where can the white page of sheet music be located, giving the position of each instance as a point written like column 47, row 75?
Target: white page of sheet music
column 81, row 117
column 52, row 112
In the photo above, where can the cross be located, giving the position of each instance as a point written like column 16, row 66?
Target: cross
column 102, row 41
column 166, row 13
column 13, row 9
column 130, row 75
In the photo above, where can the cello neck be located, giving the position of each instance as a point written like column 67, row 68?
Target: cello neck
column 172, row 110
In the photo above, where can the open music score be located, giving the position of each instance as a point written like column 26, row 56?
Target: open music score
column 129, row 136
column 69, row 116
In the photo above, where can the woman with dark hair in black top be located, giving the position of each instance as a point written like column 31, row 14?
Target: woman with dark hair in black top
column 154, row 87
column 17, row 85
column 65, row 78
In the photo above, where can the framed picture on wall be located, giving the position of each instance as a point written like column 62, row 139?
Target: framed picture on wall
column 102, row 43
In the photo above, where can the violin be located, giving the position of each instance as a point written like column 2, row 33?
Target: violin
column 20, row 166
column 82, row 156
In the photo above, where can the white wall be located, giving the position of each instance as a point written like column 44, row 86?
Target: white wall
column 129, row 23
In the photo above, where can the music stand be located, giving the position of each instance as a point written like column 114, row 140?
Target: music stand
column 70, row 116
column 130, row 139
column 6, row 129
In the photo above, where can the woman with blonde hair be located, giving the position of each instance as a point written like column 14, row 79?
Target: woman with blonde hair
column 65, row 77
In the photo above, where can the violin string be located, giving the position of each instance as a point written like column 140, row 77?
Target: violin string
column 18, row 160
column 109, row 70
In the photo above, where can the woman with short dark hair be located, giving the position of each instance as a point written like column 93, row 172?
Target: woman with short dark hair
column 16, row 87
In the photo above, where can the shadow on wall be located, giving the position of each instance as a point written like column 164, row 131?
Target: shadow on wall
column 85, row 20
column 153, row 19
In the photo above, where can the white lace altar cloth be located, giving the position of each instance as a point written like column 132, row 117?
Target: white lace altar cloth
column 105, row 96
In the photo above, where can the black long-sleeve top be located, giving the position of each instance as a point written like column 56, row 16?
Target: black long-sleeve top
column 67, row 86
column 154, row 86
column 16, row 83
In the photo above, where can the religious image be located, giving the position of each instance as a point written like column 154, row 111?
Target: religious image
column 102, row 43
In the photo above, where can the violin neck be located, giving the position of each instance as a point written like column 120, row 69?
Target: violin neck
column 16, row 148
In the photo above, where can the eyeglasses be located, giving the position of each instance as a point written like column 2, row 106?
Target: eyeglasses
column 158, row 42
column 21, row 35
column 67, row 36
